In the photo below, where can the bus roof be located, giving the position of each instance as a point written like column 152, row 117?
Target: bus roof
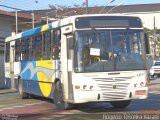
column 56, row 24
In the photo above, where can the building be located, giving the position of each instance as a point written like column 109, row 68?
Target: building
column 5, row 31
column 7, row 27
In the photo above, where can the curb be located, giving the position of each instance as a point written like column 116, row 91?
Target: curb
column 7, row 91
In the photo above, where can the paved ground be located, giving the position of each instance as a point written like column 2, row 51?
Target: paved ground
column 11, row 106
column 5, row 91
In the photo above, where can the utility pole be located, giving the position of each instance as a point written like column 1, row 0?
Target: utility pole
column 154, row 38
column 86, row 6
column 32, row 19
column 56, row 13
column 47, row 17
column 16, row 15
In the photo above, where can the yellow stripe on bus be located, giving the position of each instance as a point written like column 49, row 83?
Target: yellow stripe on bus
column 45, row 87
column 45, row 28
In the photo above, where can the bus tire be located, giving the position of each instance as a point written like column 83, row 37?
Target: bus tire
column 58, row 97
column 120, row 104
column 22, row 94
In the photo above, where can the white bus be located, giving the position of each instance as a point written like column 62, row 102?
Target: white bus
column 80, row 59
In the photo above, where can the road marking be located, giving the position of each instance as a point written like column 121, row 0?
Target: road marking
column 18, row 103
column 9, row 108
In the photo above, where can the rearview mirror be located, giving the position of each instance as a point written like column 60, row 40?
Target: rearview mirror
column 147, row 47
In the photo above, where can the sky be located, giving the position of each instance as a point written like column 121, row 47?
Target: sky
column 44, row 4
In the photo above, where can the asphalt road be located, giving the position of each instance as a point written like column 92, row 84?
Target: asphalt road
column 12, row 107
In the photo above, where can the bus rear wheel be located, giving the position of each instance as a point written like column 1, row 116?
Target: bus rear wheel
column 58, row 97
column 22, row 94
column 120, row 104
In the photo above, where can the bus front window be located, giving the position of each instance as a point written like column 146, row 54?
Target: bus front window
column 101, row 51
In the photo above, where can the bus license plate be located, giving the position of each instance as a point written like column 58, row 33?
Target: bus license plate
column 140, row 92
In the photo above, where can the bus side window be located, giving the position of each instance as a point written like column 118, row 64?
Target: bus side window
column 23, row 49
column 17, row 51
column 56, row 45
column 30, row 48
column 27, row 49
column 37, row 45
column 47, row 45
column 7, row 52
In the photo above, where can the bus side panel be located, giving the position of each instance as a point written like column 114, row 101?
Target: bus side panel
column 25, row 85
column 38, row 77
column 28, row 74
column 45, row 76
column 34, row 88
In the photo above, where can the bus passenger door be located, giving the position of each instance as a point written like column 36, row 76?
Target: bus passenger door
column 70, row 55
column 67, row 64
column 12, row 66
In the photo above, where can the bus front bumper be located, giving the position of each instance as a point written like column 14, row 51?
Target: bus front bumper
column 82, row 96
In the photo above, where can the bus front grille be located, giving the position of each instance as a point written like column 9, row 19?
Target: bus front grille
column 120, row 83
column 115, row 88
column 114, row 95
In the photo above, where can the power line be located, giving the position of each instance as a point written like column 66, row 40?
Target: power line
column 10, row 7
column 21, row 10
column 110, row 1
column 22, row 4
column 38, row 4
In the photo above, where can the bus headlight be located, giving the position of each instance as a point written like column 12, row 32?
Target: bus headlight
column 84, row 86
column 91, row 87
column 135, row 85
column 142, row 84
column 77, row 87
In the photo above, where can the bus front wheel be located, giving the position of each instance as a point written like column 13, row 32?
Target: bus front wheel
column 120, row 104
column 58, row 97
column 22, row 94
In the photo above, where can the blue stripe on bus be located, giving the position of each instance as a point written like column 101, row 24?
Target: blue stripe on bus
column 50, row 26
column 31, row 32
column 30, row 80
column 35, row 30
column 26, row 71
column 32, row 87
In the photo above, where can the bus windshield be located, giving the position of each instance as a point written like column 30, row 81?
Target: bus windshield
column 109, row 50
